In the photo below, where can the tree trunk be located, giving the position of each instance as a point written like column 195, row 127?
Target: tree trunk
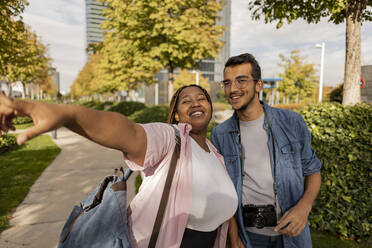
column 132, row 95
column 9, row 89
column 23, row 90
column 351, row 92
column 170, row 83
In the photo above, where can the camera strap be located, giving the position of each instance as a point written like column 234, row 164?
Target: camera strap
column 274, row 153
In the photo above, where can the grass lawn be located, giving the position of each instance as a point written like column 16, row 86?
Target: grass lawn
column 24, row 126
column 18, row 171
column 325, row 240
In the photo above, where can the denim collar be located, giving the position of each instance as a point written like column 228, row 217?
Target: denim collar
column 233, row 126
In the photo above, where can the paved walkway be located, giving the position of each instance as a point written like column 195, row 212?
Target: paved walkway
column 74, row 173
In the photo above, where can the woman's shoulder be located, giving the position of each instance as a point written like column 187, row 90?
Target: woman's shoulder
column 157, row 128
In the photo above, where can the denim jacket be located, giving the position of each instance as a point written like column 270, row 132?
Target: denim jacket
column 295, row 159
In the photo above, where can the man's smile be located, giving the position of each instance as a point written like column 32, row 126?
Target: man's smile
column 235, row 97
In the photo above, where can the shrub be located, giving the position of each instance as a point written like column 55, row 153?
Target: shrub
column 89, row 104
column 127, row 108
column 336, row 94
column 7, row 142
column 221, row 97
column 292, row 107
column 103, row 105
column 22, row 120
column 97, row 105
column 151, row 114
column 212, row 124
column 341, row 137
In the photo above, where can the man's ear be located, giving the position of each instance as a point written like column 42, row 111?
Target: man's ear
column 259, row 85
column 176, row 117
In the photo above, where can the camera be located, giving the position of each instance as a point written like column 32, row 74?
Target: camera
column 259, row 216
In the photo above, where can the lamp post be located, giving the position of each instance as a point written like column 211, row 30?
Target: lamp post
column 322, row 46
column 157, row 94
column 54, row 74
column 196, row 77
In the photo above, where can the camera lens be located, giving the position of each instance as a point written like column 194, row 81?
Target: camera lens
column 259, row 221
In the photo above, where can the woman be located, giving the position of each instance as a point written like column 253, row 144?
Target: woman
column 202, row 198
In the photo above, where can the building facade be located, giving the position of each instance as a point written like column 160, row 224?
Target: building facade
column 93, row 20
column 209, row 68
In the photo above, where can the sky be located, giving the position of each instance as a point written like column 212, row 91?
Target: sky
column 60, row 24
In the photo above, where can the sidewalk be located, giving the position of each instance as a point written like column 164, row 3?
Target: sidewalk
column 74, row 173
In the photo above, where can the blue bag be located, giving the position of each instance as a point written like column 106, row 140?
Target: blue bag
column 101, row 219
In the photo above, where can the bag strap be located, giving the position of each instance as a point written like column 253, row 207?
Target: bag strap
column 167, row 186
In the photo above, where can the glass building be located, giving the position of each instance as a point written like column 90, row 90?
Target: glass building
column 93, row 19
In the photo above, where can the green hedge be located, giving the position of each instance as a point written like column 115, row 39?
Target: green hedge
column 7, row 142
column 103, row 105
column 97, row 105
column 151, row 114
column 212, row 124
column 89, row 104
column 22, row 120
column 342, row 139
column 127, row 108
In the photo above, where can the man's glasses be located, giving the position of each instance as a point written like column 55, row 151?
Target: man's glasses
column 241, row 82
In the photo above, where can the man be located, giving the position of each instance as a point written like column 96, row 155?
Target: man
column 267, row 153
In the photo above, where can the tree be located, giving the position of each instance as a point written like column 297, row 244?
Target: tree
column 186, row 78
column 83, row 84
column 354, row 12
column 11, row 29
column 122, row 66
column 33, row 61
column 299, row 78
column 22, row 56
column 166, row 34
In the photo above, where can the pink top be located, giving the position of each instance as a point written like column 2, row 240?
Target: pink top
column 143, row 208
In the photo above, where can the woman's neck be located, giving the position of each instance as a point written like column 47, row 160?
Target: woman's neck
column 201, row 139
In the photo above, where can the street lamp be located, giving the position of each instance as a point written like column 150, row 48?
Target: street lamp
column 322, row 46
column 156, row 93
column 54, row 74
column 197, row 77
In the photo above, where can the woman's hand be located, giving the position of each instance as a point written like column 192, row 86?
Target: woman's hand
column 237, row 243
column 45, row 116
column 233, row 235
column 7, row 113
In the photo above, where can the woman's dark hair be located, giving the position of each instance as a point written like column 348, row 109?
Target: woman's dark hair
column 245, row 58
column 174, row 102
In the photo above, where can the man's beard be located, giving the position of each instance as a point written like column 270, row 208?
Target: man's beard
column 245, row 106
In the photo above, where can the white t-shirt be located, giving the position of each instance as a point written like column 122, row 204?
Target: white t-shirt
column 258, row 179
column 214, row 198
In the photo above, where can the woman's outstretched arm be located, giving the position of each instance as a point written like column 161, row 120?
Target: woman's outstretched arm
column 109, row 129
